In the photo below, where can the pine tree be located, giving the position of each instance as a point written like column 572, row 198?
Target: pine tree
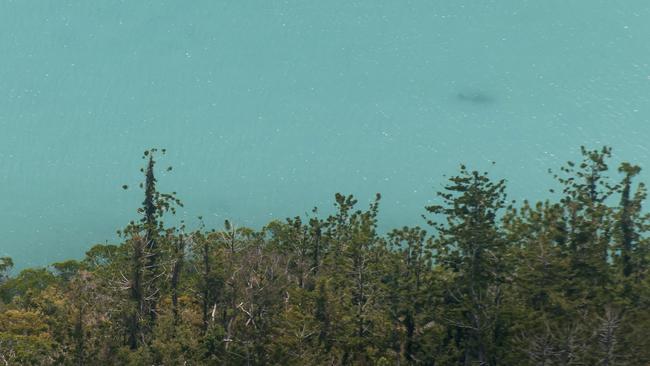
column 537, row 234
column 145, row 239
column 586, row 189
column 471, row 246
column 630, row 250
column 410, row 290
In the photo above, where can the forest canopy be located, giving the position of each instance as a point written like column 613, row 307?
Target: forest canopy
column 485, row 282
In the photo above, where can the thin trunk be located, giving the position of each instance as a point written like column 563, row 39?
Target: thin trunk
column 627, row 229
column 151, row 228
column 206, row 286
column 136, row 294
column 176, row 273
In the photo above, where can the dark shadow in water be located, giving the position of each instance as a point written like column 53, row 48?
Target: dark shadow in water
column 475, row 97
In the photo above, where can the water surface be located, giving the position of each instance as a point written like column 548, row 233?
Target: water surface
column 269, row 107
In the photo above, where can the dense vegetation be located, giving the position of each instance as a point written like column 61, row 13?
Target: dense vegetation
column 490, row 283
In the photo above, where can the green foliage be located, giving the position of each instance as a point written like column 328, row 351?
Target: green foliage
column 472, row 247
column 26, row 286
column 543, row 283
column 25, row 339
column 6, row 264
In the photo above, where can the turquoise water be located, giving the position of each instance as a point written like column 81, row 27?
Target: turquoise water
column 269, row 107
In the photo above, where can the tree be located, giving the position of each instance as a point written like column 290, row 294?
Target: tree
column 410, row 290
column 586, row 189
column 209, row 280
column 26, row 339
column 6, row 264
column 556, row 282
column 471, row 246
column 540, row 273
column 630, row 249
column 145, row 239
column 353, row 274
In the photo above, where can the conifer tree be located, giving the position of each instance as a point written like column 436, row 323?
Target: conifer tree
column 471, row 246
column 586, row 189
column 540, row 272
column 410, row 290
column 145, row 239
column 557, row 282
column 630, row 249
